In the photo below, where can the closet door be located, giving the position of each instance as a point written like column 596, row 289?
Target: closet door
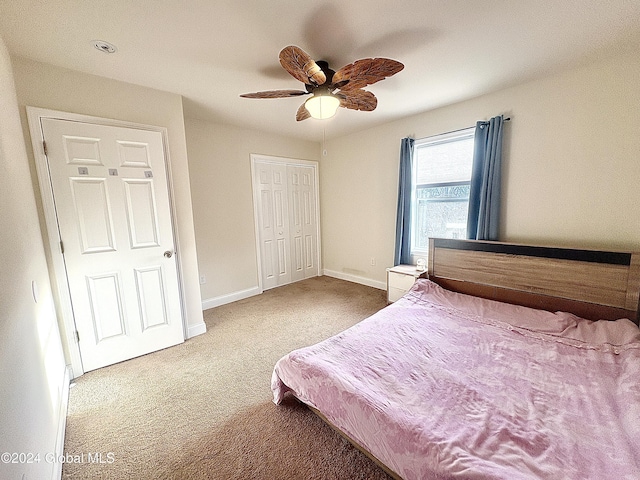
column 273, row 224
column 303, row 221
column 286, row 208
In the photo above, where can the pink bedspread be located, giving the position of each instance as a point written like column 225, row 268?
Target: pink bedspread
column 435, row 390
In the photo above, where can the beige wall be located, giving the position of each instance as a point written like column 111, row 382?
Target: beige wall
column 32, row 364
column 45, row 86
column 220, row 169
column 571, row 160
column 571, row 167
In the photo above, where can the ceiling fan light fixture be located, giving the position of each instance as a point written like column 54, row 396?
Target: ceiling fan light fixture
column 330, row 89
column 322, row 105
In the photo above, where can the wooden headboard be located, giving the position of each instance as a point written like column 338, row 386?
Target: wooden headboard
column 589, row 283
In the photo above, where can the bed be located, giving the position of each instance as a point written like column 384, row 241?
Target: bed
column 508, row 362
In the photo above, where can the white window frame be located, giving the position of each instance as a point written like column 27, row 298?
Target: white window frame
column 418, row 253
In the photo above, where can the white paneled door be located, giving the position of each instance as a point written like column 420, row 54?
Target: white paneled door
column 273, row 219
column 303, row 221
column 114, row 217
column 287, row 221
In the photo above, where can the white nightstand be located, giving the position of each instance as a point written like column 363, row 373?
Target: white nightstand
column 400, row 279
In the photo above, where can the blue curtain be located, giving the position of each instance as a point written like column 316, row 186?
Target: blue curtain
column 403, row 218
column 484, row 194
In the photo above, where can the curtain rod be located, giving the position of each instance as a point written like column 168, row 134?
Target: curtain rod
column 508, row 119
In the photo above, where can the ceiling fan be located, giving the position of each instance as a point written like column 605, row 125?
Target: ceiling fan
column 331, row 89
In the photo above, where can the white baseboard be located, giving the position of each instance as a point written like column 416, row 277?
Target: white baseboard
column 62, row 423
column 356, row 279
column 230, row 297
column 195, row 330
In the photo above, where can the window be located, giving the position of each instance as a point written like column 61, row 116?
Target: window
column 442, row 177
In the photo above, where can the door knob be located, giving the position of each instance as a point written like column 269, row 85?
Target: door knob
column 168, row 254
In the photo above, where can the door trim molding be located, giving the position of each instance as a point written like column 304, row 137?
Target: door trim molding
column 57, row 270
column 256, row 157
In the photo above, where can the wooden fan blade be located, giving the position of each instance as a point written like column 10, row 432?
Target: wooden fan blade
column 301, row 66
column 274, row 94
column 302, row 113
column 365, row 72
column 358, row 100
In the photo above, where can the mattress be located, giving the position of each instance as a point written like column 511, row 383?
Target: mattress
column 443, row 385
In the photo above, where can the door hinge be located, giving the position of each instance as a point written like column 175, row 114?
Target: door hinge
column 61, row 247
column 77, row 337
column 44, row 147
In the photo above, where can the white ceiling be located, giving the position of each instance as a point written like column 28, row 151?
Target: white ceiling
column 212, row 51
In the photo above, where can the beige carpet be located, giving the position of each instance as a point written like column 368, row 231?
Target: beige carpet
column 203, row 409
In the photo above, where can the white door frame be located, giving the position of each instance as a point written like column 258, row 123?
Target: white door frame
column 52, row 245
column 255, row 157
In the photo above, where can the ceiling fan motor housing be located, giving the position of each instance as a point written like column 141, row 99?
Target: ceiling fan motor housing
column 324, row 66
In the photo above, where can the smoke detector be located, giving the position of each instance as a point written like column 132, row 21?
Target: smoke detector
column 105, row 47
